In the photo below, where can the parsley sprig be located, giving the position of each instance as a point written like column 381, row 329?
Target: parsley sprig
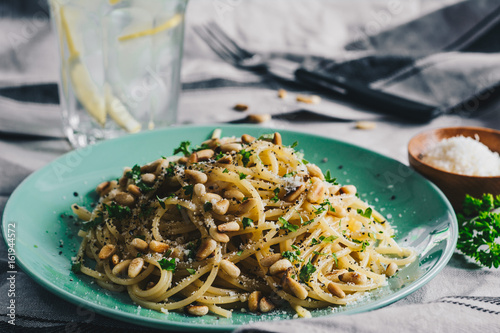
column 287, row 225
column 479, row 229
column 135, row 175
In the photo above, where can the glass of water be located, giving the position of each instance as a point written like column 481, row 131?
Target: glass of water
column 120, row 65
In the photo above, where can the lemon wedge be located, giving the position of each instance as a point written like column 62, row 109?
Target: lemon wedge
column 119, row 113
column 171, row 23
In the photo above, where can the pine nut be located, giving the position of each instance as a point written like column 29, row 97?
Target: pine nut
column 199, row 190
column 162, row 166
column 107, row 251
column 296, row 288
column 135, row 267
column 348, row 189
column 338, row 212
column 253, row 301
column 212, row 197
column 279, row 266
column 150, row 285
column 391, row 269
column 240, row 107
column 230, row 147
column 148, row 178
column 277, row 139
column 245, row 138
column 196, row 176
column 221, row 207
column 282, row 93
column 139, row 244
column 265, row 305
column 120, row 267
column 226, row 159
column 228, row 227
column 353, row 277
column 315, row 171
column 159, row 247
column 115, row 259
column 292, row 196
column 258, row 118
column 206, row 248
column 103, row 188
column 213, row 143
column 124, row 199
column 134, row 190
column 317, row 191
column 270, row 260
column 230, row 268
column 365, row 125
column 193, row 158
column 218, row 236
column 234, row 194
column 205, row 154
column 312, row 99
column 246, row 206
column 335, row 290
column 151, row 167
column 197, row 310
column 334, row 189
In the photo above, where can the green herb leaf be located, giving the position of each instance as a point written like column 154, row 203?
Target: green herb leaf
column 247, row 222
column 191, row 271
column 76, row 267
column 276, row 192
column 367, row 213
column 87, row 225
column 225, row 170
column 162, row 202
column 207, row 206
column 116, row 211
column 479, row 229
column 188, row 190
column 329, row 178
column 290, row 174
column 167, row 264
column 291, row 256
column 202, row 147
column 245, row 156
column 287, row 225
column 242, row 175
column 239, row 253
column 306, row 271
column 135, row 175
column 295, row 144
column 183, row 148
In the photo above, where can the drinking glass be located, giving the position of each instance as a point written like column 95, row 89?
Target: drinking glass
column 120, row 65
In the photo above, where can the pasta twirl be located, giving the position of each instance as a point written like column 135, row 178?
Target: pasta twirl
column 239, row 221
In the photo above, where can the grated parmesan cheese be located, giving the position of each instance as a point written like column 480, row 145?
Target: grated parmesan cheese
column 465, row 156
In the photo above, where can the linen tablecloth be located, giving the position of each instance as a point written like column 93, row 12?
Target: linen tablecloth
column 463, row 297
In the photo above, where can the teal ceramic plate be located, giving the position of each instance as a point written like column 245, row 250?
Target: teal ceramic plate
column 40, row 206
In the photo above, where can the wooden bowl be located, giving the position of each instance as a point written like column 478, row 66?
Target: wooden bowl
column 454, row 185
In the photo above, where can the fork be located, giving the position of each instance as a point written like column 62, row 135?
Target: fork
column 228, row 50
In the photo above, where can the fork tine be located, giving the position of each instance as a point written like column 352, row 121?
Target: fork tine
column 220, row 49
column 223, row 35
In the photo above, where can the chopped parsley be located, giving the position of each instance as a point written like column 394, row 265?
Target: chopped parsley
column 245, row 156
column 219, row 156
column 329, row 179
column 239, row 252
column 295, row 144
column 188, row 190
column 322, row 207
column 207, row 206
column 116, row 211
column 167, row 264
column 76, row 267
column 183, row 148
column 191, row 271
column 306, row 271
column 367, row 213
column 202, row 147
column 290, row 174
column 87, row 225
column 242, row 175
column 162, row 202
column 135, row 175
column 287, row 225
column 225, row 170
column 276, row 192
column 247, row 222
column 292, row 256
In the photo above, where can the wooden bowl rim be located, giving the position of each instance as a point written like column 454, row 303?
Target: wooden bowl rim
column 426, row 133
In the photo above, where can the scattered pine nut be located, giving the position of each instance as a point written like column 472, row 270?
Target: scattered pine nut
column 258, row 118
column 366, row 125
column 240, row 107
column 282, row 93
column 308, row 99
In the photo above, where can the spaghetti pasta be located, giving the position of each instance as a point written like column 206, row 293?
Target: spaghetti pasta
column 238, row 220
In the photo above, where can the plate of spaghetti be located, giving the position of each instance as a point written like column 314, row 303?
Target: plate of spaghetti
column 210, row 228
